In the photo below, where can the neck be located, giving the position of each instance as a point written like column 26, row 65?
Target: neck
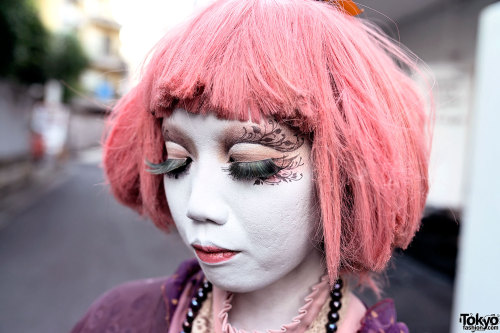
column 277, row 303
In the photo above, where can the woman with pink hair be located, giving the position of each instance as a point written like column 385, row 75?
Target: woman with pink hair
column 289, row 149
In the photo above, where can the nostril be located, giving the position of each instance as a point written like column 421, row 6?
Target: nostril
column 195, row 217
column 201, row 220
column 208, row 214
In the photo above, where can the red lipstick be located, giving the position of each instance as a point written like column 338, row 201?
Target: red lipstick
column 213, row 254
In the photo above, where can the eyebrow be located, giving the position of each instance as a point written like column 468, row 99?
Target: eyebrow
column 269, row 134
column 175, row 134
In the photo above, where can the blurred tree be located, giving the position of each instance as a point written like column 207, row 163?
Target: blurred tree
column 24, row 42
column 30, row 54
column 65, row 61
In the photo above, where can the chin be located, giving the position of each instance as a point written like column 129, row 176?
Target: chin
column 236, row 281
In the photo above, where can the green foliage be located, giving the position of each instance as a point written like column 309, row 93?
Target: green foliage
column 65, row 61
column 66, row 58
column 30, row 54
column 24, row 45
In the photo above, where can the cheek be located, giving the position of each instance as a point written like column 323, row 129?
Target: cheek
column 282, row 219
column 177, row 198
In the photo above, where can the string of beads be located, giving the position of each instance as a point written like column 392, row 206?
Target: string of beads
column 206, row 288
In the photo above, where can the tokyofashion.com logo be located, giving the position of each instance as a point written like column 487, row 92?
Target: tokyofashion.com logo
column 475, row 322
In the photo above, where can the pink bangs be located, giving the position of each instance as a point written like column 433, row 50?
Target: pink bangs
column 247, row 59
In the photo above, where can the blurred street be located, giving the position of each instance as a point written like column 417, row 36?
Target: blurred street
column 69, row 241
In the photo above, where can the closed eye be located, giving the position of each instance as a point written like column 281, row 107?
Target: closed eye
column 244, row 171
column 251, row 170
column 172, row 167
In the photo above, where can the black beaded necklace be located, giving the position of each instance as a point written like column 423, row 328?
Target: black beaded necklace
column 201, row 296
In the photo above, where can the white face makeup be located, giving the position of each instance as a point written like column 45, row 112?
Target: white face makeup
column 243, row 196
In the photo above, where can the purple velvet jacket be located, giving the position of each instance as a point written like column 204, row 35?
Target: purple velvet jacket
column 148, row 306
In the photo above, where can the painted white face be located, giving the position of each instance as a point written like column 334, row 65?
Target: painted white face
column 242, row 197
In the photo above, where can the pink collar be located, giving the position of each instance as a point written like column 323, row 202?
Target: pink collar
column 306, row 314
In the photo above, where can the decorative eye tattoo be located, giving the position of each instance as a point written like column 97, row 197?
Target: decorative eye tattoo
column 271, row 171
column 272, row 137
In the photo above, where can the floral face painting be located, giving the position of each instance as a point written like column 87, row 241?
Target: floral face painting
column 285, row 144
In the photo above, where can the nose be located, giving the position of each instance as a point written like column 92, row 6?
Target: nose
column 206, row 202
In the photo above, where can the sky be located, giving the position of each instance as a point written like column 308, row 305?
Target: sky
column 144, row 22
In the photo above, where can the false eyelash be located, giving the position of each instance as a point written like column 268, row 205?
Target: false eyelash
column 238, row 170
column 172, row 167
column 250, row 170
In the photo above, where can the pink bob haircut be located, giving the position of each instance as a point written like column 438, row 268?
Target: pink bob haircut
column 310, row 65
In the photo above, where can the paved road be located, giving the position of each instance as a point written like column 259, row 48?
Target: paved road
column 69, row 241
column 68, row 246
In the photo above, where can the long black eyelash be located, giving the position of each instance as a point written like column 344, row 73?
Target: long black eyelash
column 171, row 167
column 255, row 169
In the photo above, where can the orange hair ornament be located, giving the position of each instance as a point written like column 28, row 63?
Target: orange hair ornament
column 347, row 5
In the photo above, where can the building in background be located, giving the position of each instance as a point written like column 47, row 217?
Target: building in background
column 93, row 23
column 103, row 82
